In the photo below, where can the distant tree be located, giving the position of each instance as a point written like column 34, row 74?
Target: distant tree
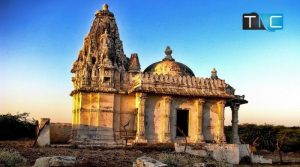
column 291, row 142
column 266, row 137
column 279, row 144
column 13, row 127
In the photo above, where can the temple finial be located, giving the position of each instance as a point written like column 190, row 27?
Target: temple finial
column 214, row 74
column 168, row 53
column 105, row 7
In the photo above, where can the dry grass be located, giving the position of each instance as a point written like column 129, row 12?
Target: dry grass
column 12, row 159
column 178, row 159
column 187, row 160
column 119, row 157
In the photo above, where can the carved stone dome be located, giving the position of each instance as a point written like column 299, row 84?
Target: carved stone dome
column 169, row 66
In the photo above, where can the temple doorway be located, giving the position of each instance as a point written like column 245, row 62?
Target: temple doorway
column 182, row 122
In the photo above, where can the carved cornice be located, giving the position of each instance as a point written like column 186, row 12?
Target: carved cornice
column 180, row 85
column 93, row 90
column 181, row 92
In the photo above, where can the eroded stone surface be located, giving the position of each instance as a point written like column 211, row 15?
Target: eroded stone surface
column 43, row 138
column 224, row 153
column 55, row 161
column 229, row 153
column 260, row 159
column 145, row 161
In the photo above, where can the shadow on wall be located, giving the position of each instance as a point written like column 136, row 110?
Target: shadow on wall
column 209, row 122
column 60, row 133
column 152, row 108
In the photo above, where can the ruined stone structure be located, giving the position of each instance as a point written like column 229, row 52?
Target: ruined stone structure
column 113, row 99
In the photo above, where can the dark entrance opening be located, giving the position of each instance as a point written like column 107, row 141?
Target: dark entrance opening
column 182, row 122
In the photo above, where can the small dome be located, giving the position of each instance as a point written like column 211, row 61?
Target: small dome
column 169, row 66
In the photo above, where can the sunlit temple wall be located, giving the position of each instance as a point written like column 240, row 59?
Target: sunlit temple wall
column 156, row 119
column 210, row 121
column 106, row 115
column 93, row 115
column 128, row 114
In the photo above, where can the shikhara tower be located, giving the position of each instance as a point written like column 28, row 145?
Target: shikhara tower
column 101, row 63
column 113, row 99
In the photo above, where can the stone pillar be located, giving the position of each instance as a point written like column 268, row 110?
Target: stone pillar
column 77, row 106
column 75, row 114
column 199, row 105
column 74, row 110
column 90, row 111
column 94, row 110
column 98, row 108
column 79, row 109
column 221, row 107
column 140, row 102
column 116, row 117
column 235, row 134
column 167, row 120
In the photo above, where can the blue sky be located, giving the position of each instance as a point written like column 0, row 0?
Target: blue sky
column 39, row 40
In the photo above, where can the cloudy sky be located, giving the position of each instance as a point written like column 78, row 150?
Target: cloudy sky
column 39, row 40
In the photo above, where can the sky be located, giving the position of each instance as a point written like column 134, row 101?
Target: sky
column 40, row 40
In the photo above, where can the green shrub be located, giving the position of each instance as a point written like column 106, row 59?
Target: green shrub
column 11, row 158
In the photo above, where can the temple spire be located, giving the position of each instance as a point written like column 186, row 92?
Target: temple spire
column 134, row 63
column 168, row 53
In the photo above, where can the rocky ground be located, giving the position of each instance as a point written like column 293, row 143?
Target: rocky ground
column 85, row 157
column 94, row 157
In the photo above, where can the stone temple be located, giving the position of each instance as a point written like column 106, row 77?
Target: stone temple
column 114, row 100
